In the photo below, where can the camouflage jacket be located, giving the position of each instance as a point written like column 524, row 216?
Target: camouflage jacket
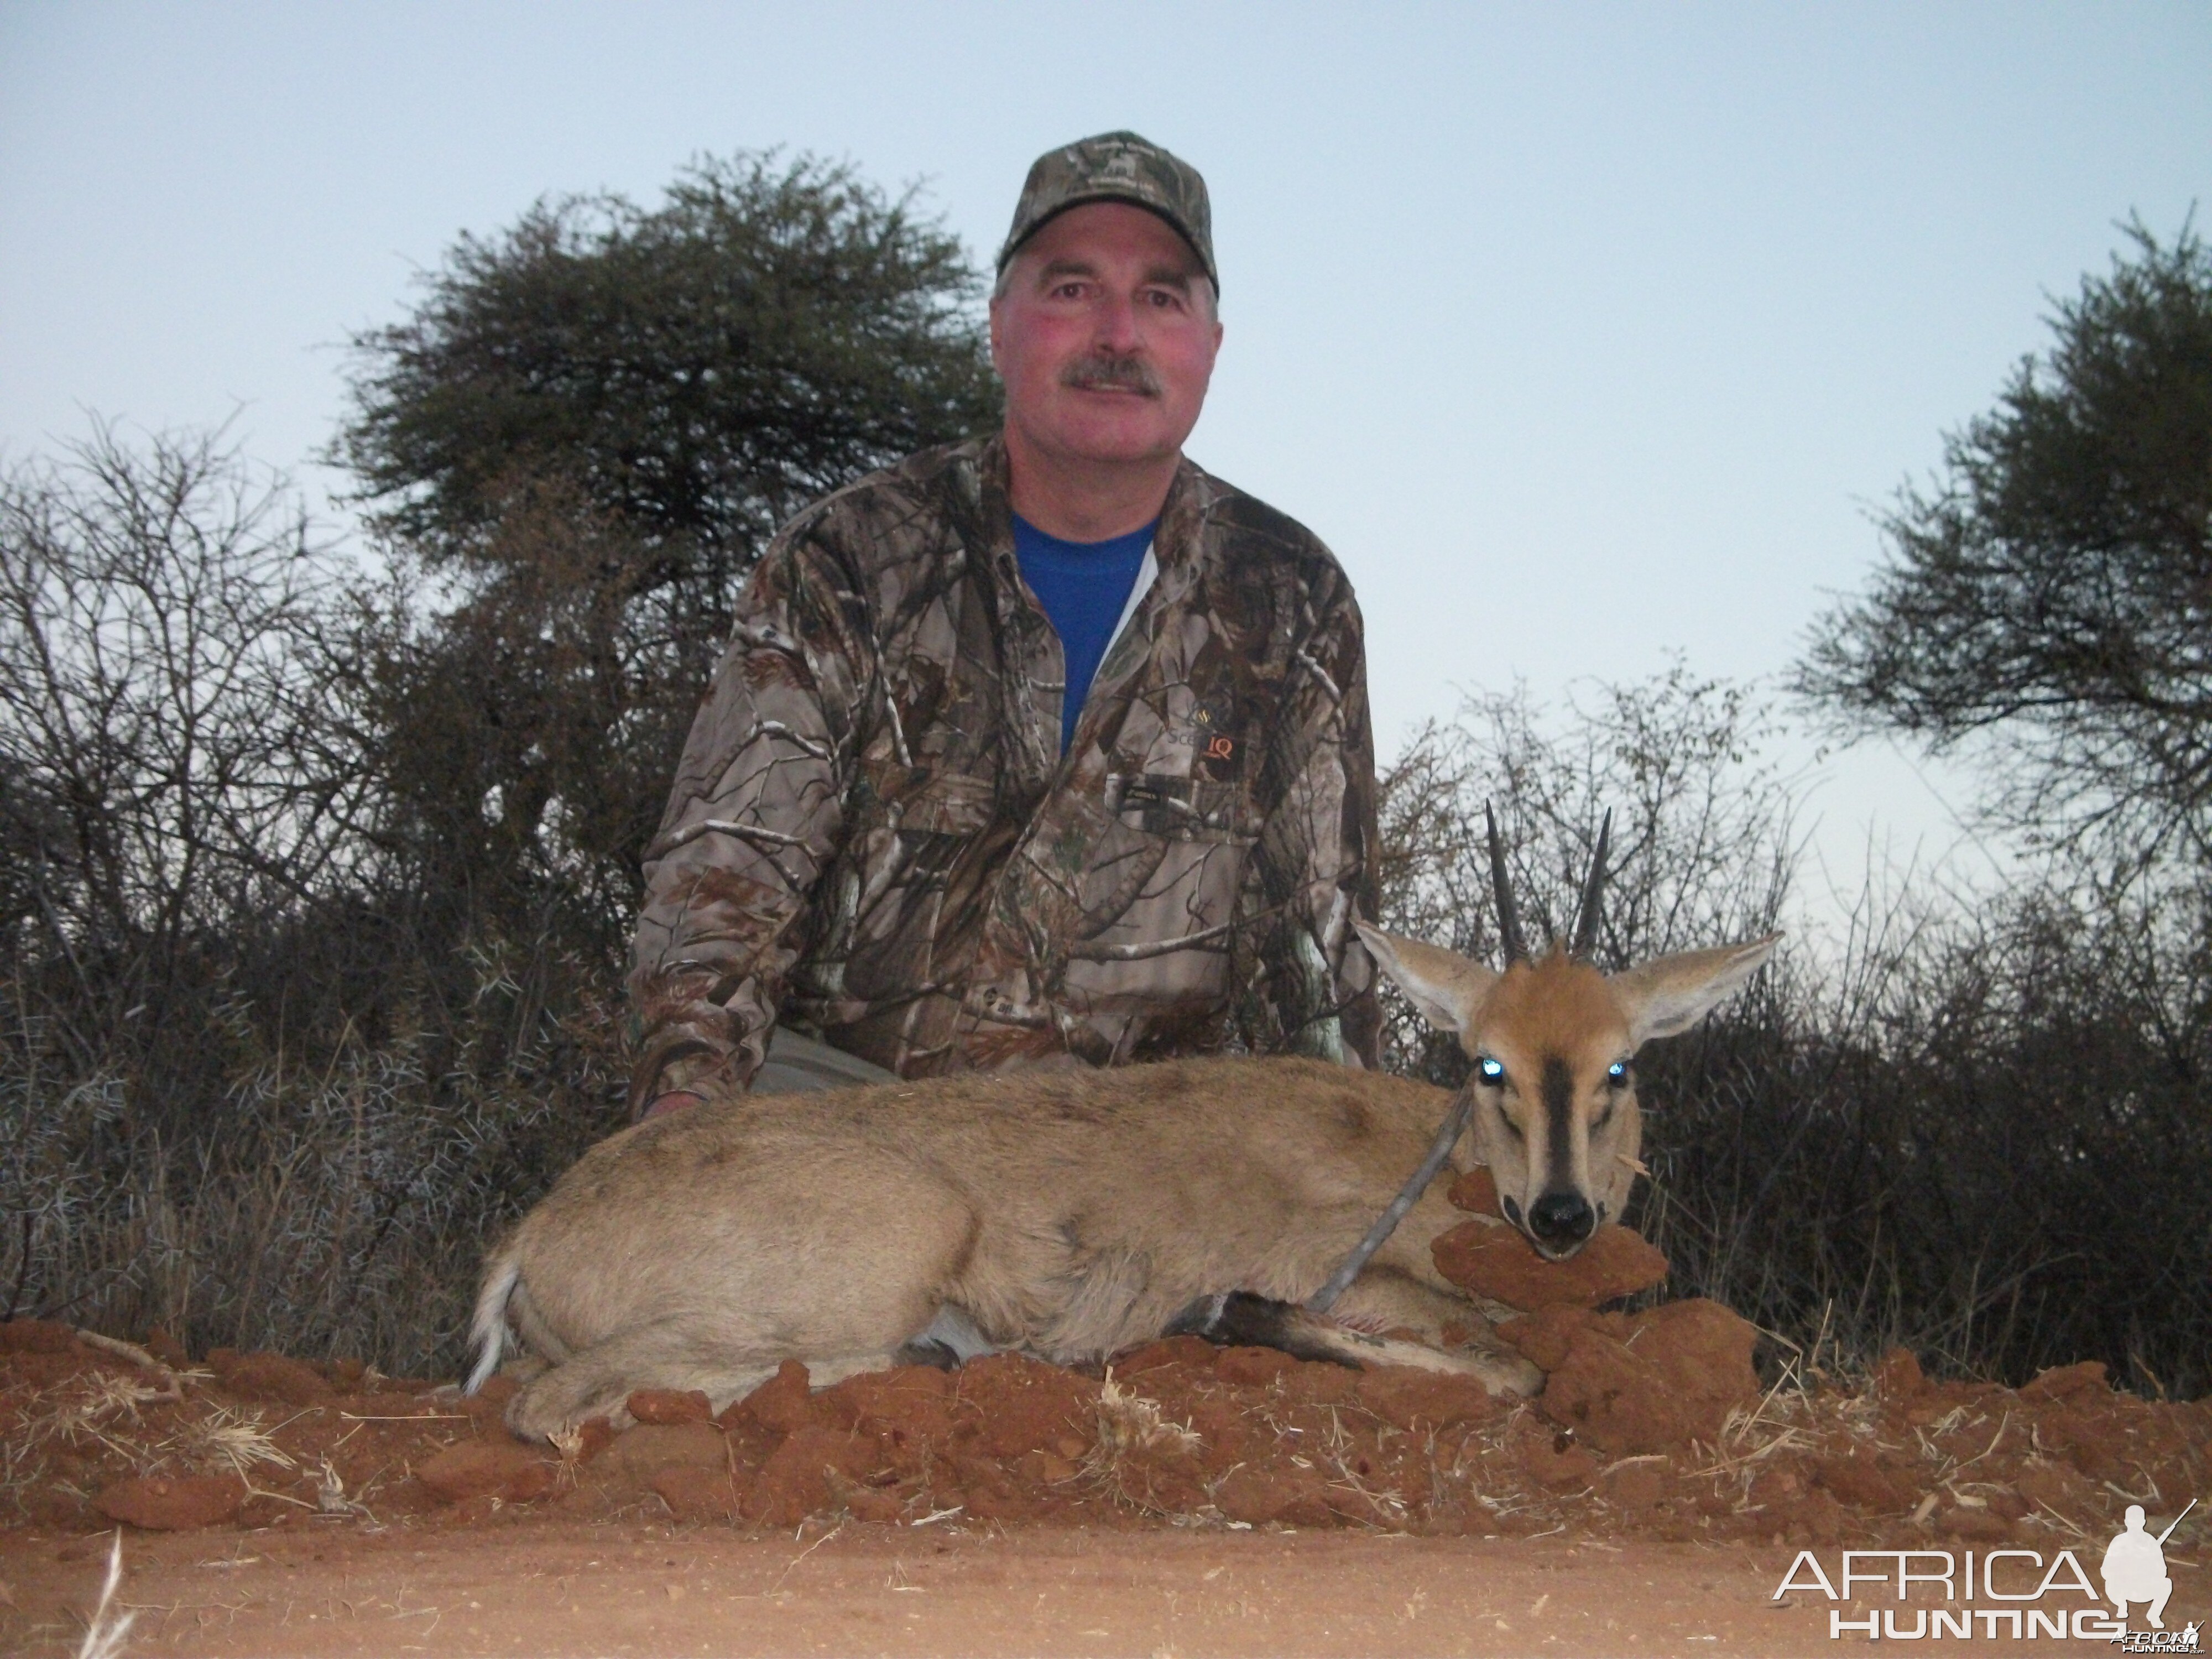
column 872, row 830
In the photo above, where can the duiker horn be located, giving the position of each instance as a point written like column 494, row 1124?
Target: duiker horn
column 1585, row 939
column 1508, row 918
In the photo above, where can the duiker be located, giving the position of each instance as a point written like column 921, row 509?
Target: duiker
column 1072, row 1214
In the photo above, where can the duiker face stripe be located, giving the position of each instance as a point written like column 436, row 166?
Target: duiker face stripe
column 1559, row 1088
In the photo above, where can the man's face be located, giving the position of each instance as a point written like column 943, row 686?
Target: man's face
column 1105, row 337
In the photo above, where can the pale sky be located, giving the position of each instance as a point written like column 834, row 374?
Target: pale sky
column 1583, row 333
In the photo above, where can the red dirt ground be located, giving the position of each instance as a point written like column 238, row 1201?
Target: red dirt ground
column 1191, row 1499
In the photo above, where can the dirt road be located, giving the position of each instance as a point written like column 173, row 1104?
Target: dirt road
column 561, row 1588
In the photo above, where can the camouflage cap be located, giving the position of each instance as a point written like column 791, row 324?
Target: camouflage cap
column 1116, row 166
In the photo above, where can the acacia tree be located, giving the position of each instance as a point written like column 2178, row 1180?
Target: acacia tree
column 587, row 430
column 2049, row 596
column 697, row 370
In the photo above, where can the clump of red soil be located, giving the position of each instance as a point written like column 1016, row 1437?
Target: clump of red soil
column 1497, row 1263
column 1650, row 1422
column 1629, row 1384
column 178, row 1503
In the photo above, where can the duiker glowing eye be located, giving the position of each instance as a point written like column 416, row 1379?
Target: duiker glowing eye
column 1491, row 1071
column 1616, row 1073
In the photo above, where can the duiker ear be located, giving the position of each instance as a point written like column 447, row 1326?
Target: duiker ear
column 1447, row 988
column 1673, row 994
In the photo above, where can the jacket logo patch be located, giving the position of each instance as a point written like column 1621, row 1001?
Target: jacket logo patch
column 1215, row 748
column 1216, row 760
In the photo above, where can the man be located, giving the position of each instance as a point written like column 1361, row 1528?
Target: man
column 1042, row 749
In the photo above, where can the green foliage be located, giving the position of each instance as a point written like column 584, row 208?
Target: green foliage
column 696, row 372
column 315, row 892
column 581, row 441
column 2053, row 591
column 1997, row 1128
column 524, row 739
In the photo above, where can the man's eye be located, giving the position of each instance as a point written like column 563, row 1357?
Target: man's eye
column 1491, row 1071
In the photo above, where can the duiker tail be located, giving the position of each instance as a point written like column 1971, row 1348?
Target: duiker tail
column 488, row 1329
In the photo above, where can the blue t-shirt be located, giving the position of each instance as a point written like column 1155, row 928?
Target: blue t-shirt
column 1083, row 587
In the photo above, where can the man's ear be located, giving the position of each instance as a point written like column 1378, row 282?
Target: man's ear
column 1447, row 988
column 1673, row 994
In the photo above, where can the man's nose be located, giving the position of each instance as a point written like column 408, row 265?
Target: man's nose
column 1114, row 325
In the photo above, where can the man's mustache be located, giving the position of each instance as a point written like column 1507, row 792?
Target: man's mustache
column 1111, row 374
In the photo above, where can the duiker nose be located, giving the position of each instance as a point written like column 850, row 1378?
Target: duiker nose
column 1562, row 1220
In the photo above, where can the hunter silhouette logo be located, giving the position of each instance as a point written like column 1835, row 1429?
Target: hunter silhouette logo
column 2134, row 1567
column 2135, row 1570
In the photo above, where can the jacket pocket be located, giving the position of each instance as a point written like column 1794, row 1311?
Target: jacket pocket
column 1160, row 894
column 1178, row 808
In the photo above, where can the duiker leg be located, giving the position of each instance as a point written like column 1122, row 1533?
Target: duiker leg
column 1382, row 1300
column 598, row 1382
column 1248, row 1321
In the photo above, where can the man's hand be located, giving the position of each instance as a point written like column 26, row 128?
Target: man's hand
column 675, row 1100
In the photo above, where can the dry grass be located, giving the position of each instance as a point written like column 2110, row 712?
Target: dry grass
column 94, row 1409
column 104, row 1633
column 340, row 1210
column 1129, row 1424
column 1135, row 1435
column 230, row 1439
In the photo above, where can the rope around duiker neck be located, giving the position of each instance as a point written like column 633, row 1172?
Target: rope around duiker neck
column 1447, row 1134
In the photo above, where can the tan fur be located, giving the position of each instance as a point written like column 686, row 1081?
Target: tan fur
column 1558, row 1010
column 1068, row 1213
